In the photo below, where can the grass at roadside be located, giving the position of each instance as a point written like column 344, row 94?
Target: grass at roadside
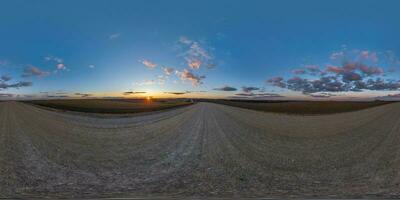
column 111, row 106
column 303, row 107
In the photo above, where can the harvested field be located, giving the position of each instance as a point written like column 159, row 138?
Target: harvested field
column 112, row 106
column 303, row 107
column 202, row 150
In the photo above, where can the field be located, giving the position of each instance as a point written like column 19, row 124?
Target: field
column 197, row 151
column 112, row 106
column 302, row 107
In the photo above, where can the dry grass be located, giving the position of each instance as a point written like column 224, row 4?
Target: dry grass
column 303, row 107
column 114, row 106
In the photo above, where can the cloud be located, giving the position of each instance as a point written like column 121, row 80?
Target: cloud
column 277, row 81
column 59, row 62
column 336, row 55
column 148, row 64
column 249, row 89
column 177, row 93
column 132, row 93
column 257, row 96
column 83, row 94
column 226, row 88
column 5, row 78
column 6, row 95
column 322, row 95
column 196, row 54
column 146, row 82
column 34, row 71
column 187, row 75
column 4, row 63
column 56, row 96
column 367, row 55
column 355, row 67
column 61, row 66
column 353, row 75
column 17, row 85
column 168, row 70
column 91, row 66
column 335, row 84
column 309, row 69
column 194, row 64
column 54, row 58
column 298, row 71
column 114, row 36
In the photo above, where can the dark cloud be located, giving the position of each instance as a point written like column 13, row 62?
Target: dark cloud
column 5, row 78
column 277, row 81
column 34, row 71
column 83, row 94
column 4, row 85
column 351, row 76
column 177, row 93
column 57, row 96
column 335, row 84
column 132, row 93
column 259, row 95
column 249, row 89
column 226, row 88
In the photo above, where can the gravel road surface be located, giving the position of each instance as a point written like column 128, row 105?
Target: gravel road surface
column 203, row 150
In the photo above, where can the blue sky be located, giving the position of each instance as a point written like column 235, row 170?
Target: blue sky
column 200, row 48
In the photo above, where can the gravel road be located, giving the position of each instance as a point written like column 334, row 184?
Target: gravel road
column 203, row 150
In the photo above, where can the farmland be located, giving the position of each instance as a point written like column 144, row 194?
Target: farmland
column 302, row 107
column 111, row 106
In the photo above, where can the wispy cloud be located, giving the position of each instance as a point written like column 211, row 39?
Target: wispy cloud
column 114, row 36
column 57, row 61
column 91, row 66
column 168, row 70
column 146, row 82
column 196, row 54
column 61, row 66
column 149, row 64
column 187, row 75
column 34, row 71
column 133, row 93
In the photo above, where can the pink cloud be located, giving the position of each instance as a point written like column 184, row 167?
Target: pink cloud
column 187, row 75
column 149, row 64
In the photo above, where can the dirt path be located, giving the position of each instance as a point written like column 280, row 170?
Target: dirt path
column 201, row 150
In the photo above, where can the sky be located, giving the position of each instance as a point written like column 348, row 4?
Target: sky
column 309, row 49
